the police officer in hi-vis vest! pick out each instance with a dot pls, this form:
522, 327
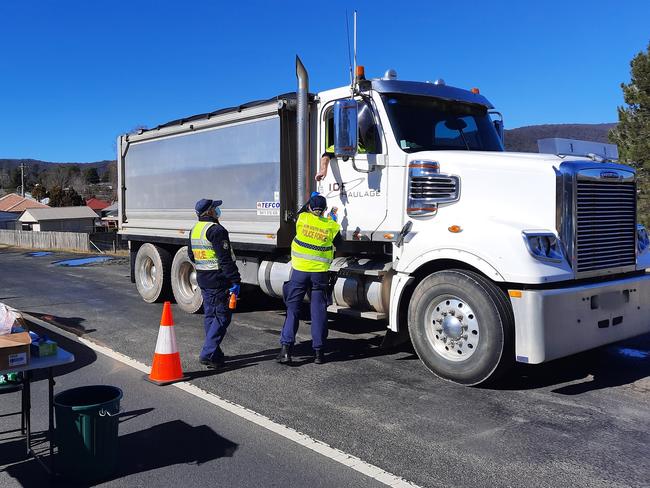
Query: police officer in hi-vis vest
312, 251
217, 275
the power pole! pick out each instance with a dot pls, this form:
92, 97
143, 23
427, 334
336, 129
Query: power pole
22, 179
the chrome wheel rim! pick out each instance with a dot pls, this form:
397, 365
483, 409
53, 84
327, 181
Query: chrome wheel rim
452, 328
148, 273
187, 281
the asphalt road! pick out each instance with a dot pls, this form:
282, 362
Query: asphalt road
582, 421
168, 437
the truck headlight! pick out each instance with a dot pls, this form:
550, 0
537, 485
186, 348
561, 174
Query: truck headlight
544, 246
642, 239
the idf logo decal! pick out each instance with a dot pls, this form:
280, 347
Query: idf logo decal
346, 189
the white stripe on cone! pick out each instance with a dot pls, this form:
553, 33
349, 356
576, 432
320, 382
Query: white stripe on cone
166, 343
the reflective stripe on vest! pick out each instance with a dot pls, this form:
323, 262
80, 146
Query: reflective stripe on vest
312, 249
205, 258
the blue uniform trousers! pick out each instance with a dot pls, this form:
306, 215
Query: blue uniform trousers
294, 292
216, 320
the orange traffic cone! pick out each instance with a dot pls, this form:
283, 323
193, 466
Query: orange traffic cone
166, 366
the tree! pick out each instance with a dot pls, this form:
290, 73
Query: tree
16, 180
91, 176
632, 134
66, 197
39, 192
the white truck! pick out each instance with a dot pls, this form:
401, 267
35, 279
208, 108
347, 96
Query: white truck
484, 257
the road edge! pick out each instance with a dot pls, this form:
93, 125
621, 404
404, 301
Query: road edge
258, 419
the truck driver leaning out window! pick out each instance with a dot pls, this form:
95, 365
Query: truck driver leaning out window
216, 274
368, 142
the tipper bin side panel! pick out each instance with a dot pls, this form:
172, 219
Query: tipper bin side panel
238, 163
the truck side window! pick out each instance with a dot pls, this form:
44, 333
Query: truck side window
369, 139
329, 131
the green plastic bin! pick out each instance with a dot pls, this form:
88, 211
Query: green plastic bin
87, 431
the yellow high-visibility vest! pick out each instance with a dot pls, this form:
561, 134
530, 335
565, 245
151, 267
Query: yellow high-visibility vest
205, 258
312, 249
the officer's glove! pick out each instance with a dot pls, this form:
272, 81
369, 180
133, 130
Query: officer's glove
234, 289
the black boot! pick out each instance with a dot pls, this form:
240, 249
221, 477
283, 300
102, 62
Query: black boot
285, 355
319, 356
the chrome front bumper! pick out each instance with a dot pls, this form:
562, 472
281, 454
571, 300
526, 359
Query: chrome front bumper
551, 324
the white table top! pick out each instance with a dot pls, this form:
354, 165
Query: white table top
62, 357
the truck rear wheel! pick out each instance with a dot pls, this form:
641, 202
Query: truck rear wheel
461, 326
184, 286
152, 265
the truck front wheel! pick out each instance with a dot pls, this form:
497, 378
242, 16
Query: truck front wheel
461, 326
152, 272
184, 286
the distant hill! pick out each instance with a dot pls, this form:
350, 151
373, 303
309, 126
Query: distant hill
524, 139
10, 164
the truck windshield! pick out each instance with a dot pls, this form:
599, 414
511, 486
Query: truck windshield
430, 124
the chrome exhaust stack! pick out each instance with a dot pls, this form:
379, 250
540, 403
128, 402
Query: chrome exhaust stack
302, 121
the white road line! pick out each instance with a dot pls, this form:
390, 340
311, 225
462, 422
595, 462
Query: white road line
326, 450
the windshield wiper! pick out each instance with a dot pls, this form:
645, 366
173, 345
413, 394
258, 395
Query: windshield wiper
462, 134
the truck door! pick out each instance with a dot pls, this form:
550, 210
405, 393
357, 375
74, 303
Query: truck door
356, 189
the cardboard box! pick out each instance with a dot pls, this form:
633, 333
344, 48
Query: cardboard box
14, 350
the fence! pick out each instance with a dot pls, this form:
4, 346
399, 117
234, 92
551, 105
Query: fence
69, 241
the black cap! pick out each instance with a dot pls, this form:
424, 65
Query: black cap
318, 202
204, 205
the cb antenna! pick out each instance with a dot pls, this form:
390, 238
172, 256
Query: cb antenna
347, 29
356, 79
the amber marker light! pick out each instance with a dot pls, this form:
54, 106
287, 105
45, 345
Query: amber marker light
475, 91
270, 236
515, 293
361, 72
455, 229
389, 236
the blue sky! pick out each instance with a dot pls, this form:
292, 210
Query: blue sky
76, 74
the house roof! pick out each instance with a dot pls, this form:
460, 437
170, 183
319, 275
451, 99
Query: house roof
57, 213
15, 203
97, 204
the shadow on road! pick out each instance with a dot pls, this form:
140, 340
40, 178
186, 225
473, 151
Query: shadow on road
605, 367
69, 324
162, 445
338, 350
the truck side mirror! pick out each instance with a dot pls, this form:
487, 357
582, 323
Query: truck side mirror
346, 131
498, 125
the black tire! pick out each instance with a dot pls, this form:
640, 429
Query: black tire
184, 287
152, 266
483, 349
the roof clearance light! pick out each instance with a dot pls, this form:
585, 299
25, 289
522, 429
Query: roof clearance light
455, 229
439, 81
475, 91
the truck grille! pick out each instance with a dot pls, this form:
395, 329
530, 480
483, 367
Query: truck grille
605, 224
428, 188
434, 187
